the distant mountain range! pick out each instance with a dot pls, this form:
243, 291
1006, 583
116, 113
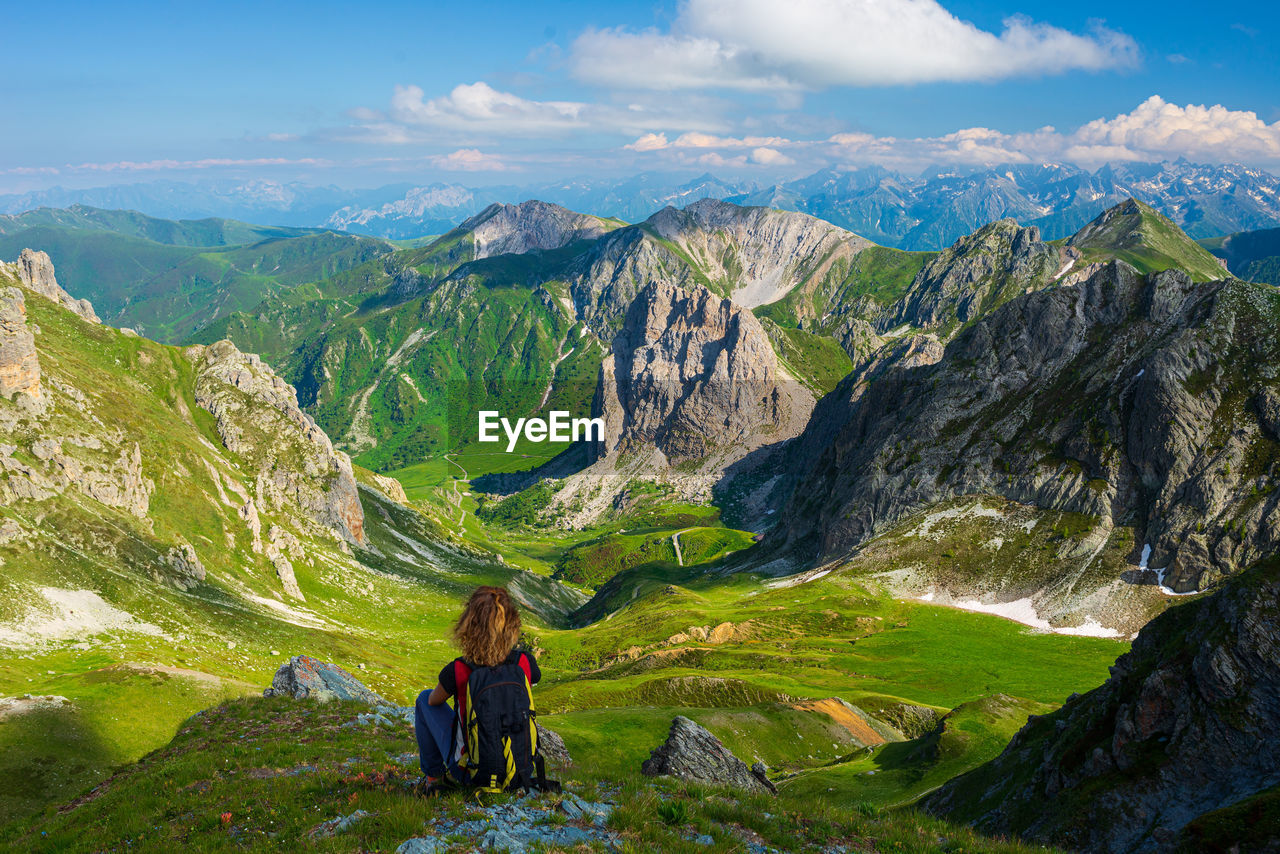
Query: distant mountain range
928, 211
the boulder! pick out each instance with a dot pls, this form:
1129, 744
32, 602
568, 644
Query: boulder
305, 678
692, 753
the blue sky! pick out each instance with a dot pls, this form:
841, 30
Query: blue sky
512, 92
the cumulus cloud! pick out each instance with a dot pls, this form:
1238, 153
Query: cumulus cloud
468, 160
480, 106
1156, 130
1201, 132
762, 45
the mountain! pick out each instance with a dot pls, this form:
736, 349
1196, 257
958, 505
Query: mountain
1137, 234
1177, 750
1135, 402
931, 210
287, 204
168, 278
1252, 255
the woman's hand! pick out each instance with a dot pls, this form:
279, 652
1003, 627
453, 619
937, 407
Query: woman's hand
438, 696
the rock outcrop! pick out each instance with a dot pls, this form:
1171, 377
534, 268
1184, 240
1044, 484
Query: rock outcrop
19, 362
185, 571
691, 373
84, 464
1137, 400
501, 229
1187, 724
692, 753
258, 418
756, 254
35, 271
978, 273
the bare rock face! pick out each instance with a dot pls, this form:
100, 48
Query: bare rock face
118, 483
186, 570
760, 253
691, 373
501, 229
692, 753
1136, 400
280, 546
979, 272
1187, 724
258, 418
19, 362
35, 271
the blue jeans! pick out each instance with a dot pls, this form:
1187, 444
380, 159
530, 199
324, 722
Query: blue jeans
434, 725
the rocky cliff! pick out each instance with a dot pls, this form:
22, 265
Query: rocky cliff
1186, 725
258, 418
975, 275
1140, 401
691, 373
19, 362
35, 271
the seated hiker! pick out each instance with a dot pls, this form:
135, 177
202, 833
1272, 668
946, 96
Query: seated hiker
489, 740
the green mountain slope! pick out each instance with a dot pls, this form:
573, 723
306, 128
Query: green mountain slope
167, 278
1251, 255
1139, 235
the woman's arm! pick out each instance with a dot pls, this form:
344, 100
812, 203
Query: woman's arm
438, 696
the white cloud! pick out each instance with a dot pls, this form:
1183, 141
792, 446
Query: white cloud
480, 106
1155, 130
468, 160
770, 157
762, 45
1158, 128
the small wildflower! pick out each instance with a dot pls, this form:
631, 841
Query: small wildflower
226, 818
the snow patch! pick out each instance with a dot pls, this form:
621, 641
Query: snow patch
72, 615
1142, 565
1023, 611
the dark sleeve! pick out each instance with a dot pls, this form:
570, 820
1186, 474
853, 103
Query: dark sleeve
449, 680
535, 673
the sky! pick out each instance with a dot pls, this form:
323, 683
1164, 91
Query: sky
487, 93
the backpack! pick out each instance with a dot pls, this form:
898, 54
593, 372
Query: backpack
499, 734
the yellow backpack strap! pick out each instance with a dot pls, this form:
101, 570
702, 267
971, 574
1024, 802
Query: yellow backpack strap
470, 725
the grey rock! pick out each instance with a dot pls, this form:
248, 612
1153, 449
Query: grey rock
1104, 398
532, 225
35, 271
552, 748
334, 826
19, 362
304, 677
186, 570
257, 417
423, 845
692, 753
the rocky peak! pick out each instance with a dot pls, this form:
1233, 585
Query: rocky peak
35, 271
977, 273
258, 417
755, 254
1134, 400
500, 229
690, 373
1185, 725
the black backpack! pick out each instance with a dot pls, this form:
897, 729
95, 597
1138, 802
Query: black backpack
500, 732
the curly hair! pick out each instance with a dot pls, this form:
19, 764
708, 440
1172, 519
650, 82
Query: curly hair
489, 627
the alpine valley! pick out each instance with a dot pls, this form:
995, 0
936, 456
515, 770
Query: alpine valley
966, 546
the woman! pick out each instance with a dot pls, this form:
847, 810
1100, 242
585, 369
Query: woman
487, 633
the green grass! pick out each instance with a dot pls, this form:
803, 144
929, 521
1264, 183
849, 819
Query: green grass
1144, 238
263, 774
